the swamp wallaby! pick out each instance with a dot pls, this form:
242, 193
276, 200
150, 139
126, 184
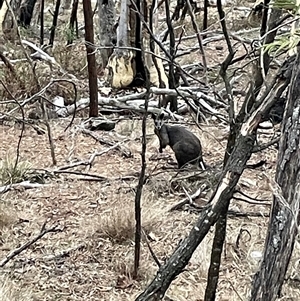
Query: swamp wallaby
186, 145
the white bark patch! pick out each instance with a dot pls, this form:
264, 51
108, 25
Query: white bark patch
224, 184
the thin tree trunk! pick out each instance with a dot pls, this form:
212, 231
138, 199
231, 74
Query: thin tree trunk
91, 59
54, 23
284, 219
73, 19
215, 260
42, 22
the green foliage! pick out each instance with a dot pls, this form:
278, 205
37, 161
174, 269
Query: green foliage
286, 5
69, 34
11, 173
283, 43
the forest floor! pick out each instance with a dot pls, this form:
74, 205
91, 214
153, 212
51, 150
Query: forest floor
92, 257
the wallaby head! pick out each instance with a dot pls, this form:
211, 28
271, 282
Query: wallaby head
158, 120
185, 144
160, 129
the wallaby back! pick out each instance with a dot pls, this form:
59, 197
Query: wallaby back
185, 144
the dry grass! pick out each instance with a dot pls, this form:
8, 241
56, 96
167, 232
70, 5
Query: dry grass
7, 217
11, 173
118, 222
11, 291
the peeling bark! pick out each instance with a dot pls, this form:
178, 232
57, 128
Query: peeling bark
126, 66
285, 210
107, 17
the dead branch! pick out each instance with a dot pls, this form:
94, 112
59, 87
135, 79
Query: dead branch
17, 251
124, 151
92, 158
199, 38
150, 249
186, 200
78, 173
25, 185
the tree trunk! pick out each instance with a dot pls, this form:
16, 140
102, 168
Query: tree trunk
73, 19
26, 11
284, 218
42, 22
54, 23
91, 59
107, 17
126, 66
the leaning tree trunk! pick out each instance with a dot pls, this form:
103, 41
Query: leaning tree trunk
107, 17
284, 218
126, 66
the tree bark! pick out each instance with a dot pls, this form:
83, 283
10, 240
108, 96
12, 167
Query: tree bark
107, 17
284, 219
72, 22
91, 59
26, 11
54, 23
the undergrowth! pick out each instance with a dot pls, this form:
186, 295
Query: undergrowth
10, 173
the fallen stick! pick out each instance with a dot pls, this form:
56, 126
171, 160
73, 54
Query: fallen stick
25, 184
17, 251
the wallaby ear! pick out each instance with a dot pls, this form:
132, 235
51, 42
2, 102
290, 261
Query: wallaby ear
161, 116
153, 116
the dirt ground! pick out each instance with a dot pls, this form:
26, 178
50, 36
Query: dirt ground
92, 257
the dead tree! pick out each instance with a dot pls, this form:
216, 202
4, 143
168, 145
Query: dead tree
107, 34
220, 230
91, 59
125, 65
284, 220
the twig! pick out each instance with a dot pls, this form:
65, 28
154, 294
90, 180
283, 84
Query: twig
78, 173
187, 200
251, 202
17, 251
46, 121
124, 151
22, 129
150, 249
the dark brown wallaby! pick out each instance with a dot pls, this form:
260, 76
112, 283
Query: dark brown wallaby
185, 144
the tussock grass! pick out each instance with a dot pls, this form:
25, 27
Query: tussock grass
9, 291
118, 224
6, 215
11, 173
